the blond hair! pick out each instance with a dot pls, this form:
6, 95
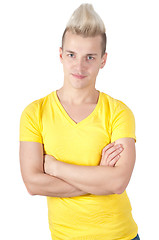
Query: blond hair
87, 23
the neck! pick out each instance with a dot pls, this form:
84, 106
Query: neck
78, 96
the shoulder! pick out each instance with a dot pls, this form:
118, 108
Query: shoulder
30, 120
37, 105
115, 105
122, 121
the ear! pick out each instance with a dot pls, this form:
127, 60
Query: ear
104, 59
60, 52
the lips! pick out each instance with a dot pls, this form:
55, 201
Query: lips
78, 76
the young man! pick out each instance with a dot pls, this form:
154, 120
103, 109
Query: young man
77, 144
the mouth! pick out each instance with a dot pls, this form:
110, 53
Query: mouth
78, 76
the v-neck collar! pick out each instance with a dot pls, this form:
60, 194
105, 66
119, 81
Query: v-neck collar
69, 119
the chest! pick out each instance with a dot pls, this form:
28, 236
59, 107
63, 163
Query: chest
75, 135
79, 113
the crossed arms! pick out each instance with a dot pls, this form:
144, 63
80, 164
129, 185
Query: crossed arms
59, 179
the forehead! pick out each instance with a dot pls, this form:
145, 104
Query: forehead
77, 43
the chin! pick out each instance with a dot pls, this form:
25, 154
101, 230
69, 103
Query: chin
79, 85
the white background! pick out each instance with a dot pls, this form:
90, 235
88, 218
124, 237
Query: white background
30, 37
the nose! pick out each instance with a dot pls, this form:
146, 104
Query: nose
80, 65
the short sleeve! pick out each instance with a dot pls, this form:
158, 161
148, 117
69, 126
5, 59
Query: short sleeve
123, 122
30, 124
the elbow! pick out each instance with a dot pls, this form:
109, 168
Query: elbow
119, 190
120, 187
30, 189
30, 186
116, 188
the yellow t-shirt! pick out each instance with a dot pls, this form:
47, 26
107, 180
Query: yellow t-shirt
88, 217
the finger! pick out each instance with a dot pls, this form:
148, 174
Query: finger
108, 146
109, 149
114, 154
112, 149
111, 146
114, 161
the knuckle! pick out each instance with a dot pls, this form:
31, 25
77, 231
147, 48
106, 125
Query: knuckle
103, 151
117, 158
109, 158
117, 146
108, 146
112, 163
113, 155
109, 151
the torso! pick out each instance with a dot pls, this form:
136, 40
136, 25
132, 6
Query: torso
45, 121
78, 113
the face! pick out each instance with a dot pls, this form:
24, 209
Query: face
82, 60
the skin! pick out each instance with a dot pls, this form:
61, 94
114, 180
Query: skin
81, 59
98, 180
43, 183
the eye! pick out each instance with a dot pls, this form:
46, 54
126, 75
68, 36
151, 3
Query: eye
71, 55
90, 58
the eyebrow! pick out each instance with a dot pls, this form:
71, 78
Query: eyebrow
90, 54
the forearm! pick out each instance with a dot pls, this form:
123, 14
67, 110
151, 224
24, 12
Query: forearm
46, 185
104, 179
98, 180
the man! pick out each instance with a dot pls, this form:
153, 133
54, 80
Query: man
77, 144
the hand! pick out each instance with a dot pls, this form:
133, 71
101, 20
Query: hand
111, 154
50, 164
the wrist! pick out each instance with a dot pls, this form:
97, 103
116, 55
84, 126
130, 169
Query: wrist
50, 165
55, 168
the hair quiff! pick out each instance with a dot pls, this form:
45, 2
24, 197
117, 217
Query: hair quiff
87, 23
